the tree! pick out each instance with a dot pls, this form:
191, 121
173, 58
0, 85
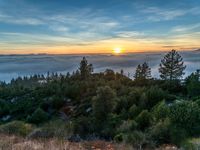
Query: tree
142, 72
104, 103
85, 68
186, 115
38, 116
172, 66
193, 83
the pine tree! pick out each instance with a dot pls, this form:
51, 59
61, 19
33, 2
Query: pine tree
146, 71
85, 68
172, 66
104, 102
142, 72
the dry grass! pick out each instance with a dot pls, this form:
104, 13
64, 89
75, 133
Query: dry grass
19, 143
8, 142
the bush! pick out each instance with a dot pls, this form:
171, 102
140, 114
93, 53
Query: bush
160, 111
38, 116
104, 104
144, 120
127, 126
136, 138
16, 127
178, 135
58, 128
186, 115
119, 138
154, 95
133, 111
4, 108
191, 144
160, 133
83, 126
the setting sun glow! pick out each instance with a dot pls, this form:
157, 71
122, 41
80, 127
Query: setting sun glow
117, 50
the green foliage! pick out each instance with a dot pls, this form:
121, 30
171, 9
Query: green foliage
118, 138
193, 84
153, 96
191, 144
127, 126
160, 132
160, 111
83, 126
144, 120
143, 72
178, 135
58, 128
107, 104
133, 111
16, 127
4, 108
57, 102
186, 115
104, 103
85, 68
136, 138
38, 116
172, 66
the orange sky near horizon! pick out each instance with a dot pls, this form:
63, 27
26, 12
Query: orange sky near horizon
94, 48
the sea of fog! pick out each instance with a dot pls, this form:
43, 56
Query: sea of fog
12, 66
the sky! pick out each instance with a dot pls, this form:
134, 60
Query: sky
98, 26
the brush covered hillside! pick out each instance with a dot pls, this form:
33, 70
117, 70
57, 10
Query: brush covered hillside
86, 107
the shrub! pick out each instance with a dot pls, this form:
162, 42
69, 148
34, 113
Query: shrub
119, 138
83, 126
154, 95
136, 138
38, 116
127, 126
104, 103
16, 127
186, 115
160, 132
133, 111
160, 111
58, 128
191, 144
4, 108
57, 102
144, 120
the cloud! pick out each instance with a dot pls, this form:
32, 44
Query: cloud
20, 20
186, 28
129, 34
157, 14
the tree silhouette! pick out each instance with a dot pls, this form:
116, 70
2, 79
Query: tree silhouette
85, 68
172, 66
142, 72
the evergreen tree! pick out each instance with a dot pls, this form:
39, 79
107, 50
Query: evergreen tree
104, 103
142, 72
193, 83
172, 66
85, 68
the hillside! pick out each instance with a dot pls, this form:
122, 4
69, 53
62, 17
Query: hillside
144, 113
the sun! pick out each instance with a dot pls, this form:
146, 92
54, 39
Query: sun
117, 50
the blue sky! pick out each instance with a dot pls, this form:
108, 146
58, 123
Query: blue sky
98, 26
